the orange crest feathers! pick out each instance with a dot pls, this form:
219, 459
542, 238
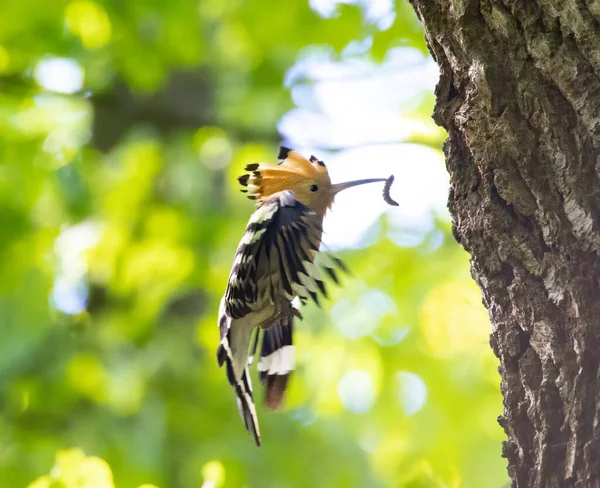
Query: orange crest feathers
294, 172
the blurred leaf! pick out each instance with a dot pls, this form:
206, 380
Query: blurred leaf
72, 469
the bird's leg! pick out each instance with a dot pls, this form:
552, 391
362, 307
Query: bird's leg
282, 311
288, 311
295, 312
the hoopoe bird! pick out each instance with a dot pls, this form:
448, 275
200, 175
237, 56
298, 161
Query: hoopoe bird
275, 263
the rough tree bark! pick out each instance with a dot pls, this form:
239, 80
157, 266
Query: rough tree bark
519, 95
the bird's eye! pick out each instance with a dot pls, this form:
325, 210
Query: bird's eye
314, 187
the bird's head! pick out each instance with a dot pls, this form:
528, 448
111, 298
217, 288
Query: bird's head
307, 178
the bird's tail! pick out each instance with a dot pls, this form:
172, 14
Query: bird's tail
276, 361
234, 354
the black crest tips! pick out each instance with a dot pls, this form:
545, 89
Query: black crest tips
283, 152
252, 167
244, 180
314, 159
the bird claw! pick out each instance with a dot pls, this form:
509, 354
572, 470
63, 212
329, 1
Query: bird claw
289, 313
296, 313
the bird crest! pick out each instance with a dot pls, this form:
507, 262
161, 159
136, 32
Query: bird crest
294, 172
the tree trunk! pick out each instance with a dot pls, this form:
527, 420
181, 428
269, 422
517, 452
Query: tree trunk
519, 94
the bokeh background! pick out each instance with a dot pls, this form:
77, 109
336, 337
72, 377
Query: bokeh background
123, 128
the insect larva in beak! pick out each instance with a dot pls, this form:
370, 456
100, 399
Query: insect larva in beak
386, 192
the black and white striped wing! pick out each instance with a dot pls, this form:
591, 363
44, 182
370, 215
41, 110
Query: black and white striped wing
275, 259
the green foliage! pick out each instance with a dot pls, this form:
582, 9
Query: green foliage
143, 229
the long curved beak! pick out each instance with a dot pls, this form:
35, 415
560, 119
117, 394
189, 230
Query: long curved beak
338, 187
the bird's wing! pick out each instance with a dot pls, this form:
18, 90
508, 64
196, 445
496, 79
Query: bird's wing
241, 382
275, 258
